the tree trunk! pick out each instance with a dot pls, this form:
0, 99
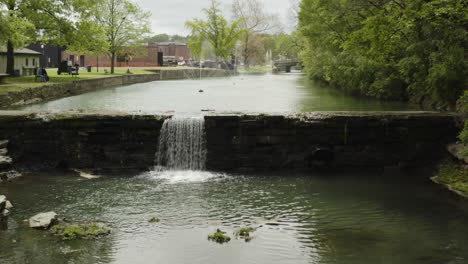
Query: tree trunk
112, 62
246, 53
10, 59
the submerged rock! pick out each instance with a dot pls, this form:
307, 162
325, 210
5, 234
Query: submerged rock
43, 220
80, 231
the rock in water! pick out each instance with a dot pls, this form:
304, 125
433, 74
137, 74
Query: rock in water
43, 220
3, 201
8, 205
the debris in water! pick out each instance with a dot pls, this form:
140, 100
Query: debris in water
86, 175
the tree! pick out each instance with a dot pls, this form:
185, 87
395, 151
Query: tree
389, 49
124, 23
64, 23
220, 34
253, 21
26, 20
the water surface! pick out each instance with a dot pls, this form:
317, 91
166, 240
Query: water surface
301, 218
256, 93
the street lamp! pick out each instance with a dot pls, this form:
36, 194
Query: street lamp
42, 59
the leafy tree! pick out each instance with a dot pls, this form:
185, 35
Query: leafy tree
389, 49
64, 23
220, 34
124, 24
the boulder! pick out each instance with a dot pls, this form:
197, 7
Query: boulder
458, 150
3, 201
43, 220
3, 143
4, 213
8, 205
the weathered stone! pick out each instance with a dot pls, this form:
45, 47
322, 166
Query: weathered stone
3, 143
457, 150
43, 220
3, 151
3, 201
5, 162
4, 213
8, 205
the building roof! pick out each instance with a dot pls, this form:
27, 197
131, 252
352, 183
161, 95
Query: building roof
23, 51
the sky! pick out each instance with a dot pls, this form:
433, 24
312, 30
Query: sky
169, 16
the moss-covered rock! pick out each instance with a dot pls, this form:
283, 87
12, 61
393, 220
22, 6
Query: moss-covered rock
80, 231
219, 237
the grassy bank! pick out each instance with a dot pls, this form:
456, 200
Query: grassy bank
15, 84
254, 69
454, 176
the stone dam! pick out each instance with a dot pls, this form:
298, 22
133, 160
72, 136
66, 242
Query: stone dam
233, 141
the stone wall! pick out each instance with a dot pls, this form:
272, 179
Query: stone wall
340, 140
56, 91
336, 140
175, 74
77, 140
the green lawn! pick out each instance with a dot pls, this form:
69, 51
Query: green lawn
14, 84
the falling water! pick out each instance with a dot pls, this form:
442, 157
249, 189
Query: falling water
182, 144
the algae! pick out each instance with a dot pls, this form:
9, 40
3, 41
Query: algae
219, 237
154, 220
80, 231
244, 233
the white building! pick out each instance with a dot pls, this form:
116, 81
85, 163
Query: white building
26, 61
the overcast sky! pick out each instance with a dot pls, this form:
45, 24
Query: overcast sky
169, 16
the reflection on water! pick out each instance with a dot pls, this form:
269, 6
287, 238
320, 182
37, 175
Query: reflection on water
308, 218
256, 93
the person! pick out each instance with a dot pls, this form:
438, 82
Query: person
40, 73
46, 76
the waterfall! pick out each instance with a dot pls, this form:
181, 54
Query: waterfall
182, 144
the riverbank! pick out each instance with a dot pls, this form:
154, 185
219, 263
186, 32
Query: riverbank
27, 91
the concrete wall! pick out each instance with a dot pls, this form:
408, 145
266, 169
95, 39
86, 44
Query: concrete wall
327, 141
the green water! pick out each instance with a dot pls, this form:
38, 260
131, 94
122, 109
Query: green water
257, 93
301, 218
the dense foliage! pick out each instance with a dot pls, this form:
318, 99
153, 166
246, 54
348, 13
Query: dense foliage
389, 49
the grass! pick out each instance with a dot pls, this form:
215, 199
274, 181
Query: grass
454, 176
16, 84
254, 69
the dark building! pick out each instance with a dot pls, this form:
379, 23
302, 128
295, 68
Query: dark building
51, 55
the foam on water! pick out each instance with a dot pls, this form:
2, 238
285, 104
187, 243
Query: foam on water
183, 176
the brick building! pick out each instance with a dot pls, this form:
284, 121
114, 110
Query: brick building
146, 56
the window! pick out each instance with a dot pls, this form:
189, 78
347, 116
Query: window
27, 62
34, 62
